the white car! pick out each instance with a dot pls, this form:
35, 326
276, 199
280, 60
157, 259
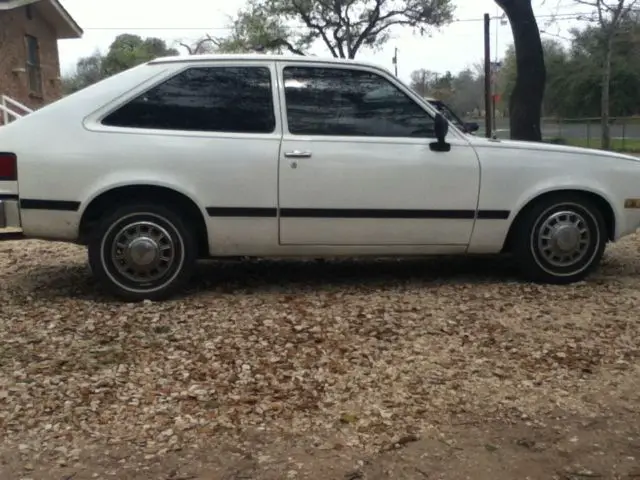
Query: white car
189, 158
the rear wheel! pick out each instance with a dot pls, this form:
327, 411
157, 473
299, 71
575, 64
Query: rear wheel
142, 251
561, 239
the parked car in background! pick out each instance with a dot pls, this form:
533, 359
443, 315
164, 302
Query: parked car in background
197, 157
468, 127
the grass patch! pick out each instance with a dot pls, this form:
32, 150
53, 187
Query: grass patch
593, 121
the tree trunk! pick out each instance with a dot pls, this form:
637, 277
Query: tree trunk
606, 88
525, 104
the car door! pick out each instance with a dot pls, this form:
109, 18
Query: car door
356, 167
210, 129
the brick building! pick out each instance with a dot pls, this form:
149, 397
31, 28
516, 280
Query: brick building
29, 60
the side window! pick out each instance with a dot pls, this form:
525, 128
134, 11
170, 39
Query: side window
337, 101
206, 99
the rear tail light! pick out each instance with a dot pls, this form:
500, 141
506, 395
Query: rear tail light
8, 167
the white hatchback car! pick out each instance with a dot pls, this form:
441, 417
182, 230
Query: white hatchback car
256, 155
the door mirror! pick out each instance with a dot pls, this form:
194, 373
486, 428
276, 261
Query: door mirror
441, 128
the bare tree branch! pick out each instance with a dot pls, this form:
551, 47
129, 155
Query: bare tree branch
198, 48
280, 42
344, 26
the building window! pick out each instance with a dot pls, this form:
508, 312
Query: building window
29, 12
34, 71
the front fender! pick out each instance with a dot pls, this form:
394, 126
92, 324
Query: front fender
589, 185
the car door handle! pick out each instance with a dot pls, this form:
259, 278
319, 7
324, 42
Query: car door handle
297, 154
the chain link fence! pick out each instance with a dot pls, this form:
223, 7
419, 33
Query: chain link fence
584, 132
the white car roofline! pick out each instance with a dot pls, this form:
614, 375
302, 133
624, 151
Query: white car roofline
261, 57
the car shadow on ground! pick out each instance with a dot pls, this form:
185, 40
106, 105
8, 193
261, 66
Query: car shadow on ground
275, 275
288, 275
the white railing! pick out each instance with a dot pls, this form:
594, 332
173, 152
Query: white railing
8, 108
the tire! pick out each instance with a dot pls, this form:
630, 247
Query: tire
157, 233
560, 239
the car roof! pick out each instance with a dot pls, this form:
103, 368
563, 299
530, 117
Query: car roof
265, 57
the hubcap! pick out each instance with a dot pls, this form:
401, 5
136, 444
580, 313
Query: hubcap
564, 238
143, 252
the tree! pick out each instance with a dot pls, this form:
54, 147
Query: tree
89, 70
125, 52
468, 91
207, 44
128, 50
259, 27
343, 26
463, 92
443, 88
573, 86
422, 81
525, 102
611, 13
558, 76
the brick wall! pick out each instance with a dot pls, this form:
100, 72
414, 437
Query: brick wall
14, 26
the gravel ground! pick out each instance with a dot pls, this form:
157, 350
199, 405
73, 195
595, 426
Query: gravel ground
340, 369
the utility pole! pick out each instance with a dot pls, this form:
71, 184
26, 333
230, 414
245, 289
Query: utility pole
494, 75
496, 66
487, 75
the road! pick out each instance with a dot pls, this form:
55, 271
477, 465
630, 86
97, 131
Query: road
574, 130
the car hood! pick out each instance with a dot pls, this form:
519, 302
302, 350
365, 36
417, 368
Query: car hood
544, 147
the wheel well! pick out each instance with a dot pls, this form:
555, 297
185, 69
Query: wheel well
602, 205
105, 203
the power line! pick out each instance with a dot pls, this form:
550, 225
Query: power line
621, 37
556, 16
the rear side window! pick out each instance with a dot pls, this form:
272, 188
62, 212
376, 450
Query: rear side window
205, 99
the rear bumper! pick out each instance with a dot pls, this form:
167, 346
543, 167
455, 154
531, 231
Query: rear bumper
9, 214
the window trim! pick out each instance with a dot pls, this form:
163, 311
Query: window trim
428, 109
36, 68
94, 120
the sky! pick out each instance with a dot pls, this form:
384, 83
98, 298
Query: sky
452, 48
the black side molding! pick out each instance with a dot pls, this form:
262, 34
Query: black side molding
493, 214
10, 236
260, 212
57, 205
242, 212
356, 213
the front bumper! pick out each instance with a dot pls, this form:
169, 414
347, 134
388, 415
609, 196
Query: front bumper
9, 219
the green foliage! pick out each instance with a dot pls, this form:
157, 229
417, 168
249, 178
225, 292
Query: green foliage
125, 52
260, 27
344, 27
574, 74
89, 70
130, 50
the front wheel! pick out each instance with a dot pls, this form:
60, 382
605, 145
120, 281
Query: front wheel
142, 252
561, 239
